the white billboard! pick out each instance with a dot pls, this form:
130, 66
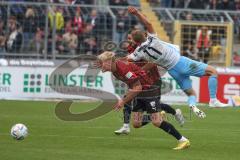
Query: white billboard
33, 83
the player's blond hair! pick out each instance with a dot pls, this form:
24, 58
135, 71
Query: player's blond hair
107, 55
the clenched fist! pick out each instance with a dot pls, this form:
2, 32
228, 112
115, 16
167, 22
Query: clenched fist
132, 10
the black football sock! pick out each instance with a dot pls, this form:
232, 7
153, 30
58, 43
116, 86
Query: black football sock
146, 119
167, 108
170, 129
127, 110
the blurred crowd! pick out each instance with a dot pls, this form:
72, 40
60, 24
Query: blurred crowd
23, 29
74, 29
202, 52
77, 29
199, 4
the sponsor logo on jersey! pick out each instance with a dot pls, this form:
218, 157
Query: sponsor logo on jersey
129, 75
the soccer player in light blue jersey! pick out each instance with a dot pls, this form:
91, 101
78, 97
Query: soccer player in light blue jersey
168, 56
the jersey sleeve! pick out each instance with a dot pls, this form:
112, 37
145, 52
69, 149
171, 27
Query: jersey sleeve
135, 56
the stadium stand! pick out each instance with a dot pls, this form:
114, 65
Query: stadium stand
76, 27
198, 4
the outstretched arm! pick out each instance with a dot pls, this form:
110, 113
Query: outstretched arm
132, 92
142, 18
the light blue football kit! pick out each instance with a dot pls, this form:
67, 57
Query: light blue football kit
179, 67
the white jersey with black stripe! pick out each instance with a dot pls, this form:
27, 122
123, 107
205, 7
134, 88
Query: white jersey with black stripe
154, 50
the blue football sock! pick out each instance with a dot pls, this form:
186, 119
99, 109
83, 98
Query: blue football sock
192, 100
212, 86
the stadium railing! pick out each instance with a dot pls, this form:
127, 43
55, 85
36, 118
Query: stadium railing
185, 26
43, 29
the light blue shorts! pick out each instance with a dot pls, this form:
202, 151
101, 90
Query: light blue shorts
185, 68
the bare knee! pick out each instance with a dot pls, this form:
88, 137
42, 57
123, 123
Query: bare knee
211, 71
137, 119
157, 120
190, 92
137, 124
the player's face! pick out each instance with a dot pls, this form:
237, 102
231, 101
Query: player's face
107, 66
129, 37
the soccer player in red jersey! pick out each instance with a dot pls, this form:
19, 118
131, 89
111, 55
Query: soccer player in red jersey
145, 97
153, 74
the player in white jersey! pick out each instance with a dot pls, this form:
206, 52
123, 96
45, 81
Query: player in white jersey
167, 55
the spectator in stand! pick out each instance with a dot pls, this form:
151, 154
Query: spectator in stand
29, 27
54, 1
236, 59
87, 30
84, 39
78, 22
62, 1
188, 16
49, 42
39, 41
73, 2
14, 40
195, 4
59, 48
203, 43
192, 52
91, 19
69, 41
133, 2
166, 3
3, 13
2, 37
91, 46
70, 9
122, 25
82, 2
178, 3
17, 10
95, 20
236, 20
227, 5
118, 2
213, 4
192, 4
59, 18
237, 5
155, 3
40, 14
217, 52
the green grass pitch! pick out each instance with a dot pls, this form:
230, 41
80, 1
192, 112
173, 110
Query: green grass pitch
217, 137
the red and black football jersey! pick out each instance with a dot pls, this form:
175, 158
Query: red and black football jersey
153, 72
130, 73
